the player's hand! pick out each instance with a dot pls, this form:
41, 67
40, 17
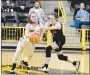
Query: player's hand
21, 38
46, 28
32, 33
83, 19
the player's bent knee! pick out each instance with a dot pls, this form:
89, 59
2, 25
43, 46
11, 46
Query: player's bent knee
62, 57
48, 51
54, 45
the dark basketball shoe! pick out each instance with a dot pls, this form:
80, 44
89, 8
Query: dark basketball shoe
25, 64
76, 64
44, 68
12, 72
13, 69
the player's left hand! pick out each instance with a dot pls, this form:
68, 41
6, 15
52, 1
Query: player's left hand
46, 28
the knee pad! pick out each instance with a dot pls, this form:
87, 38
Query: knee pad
48, 51
62, 57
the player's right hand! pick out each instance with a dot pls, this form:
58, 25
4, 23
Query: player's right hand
21, 38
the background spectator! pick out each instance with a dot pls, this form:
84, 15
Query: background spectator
39, 11
82, 16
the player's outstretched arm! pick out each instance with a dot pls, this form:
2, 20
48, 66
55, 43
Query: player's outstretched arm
57, 26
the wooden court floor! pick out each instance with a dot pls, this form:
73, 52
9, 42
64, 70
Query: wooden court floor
56, 66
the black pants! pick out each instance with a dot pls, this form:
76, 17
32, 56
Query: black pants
60, 43
58, 50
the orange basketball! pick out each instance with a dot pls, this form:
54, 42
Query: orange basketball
35, 38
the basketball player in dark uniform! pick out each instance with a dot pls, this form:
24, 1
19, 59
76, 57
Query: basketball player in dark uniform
58, 41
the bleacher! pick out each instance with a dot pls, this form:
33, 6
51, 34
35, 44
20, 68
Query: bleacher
76, 6
17, 17
70, 21
14, 12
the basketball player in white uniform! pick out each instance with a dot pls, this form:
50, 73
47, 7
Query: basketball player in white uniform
24, 43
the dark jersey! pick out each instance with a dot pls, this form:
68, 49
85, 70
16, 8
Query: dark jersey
58, 35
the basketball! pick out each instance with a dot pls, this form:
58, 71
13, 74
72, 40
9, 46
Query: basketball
35, 38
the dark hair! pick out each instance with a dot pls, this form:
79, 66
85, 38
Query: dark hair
29, 17
55, 15
84, 4
39, 3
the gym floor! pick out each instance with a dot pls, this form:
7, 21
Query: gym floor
56, 66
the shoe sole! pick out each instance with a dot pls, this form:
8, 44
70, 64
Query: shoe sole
12, 73
44, 71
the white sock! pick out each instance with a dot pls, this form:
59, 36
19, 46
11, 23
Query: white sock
47, 60
70, 60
